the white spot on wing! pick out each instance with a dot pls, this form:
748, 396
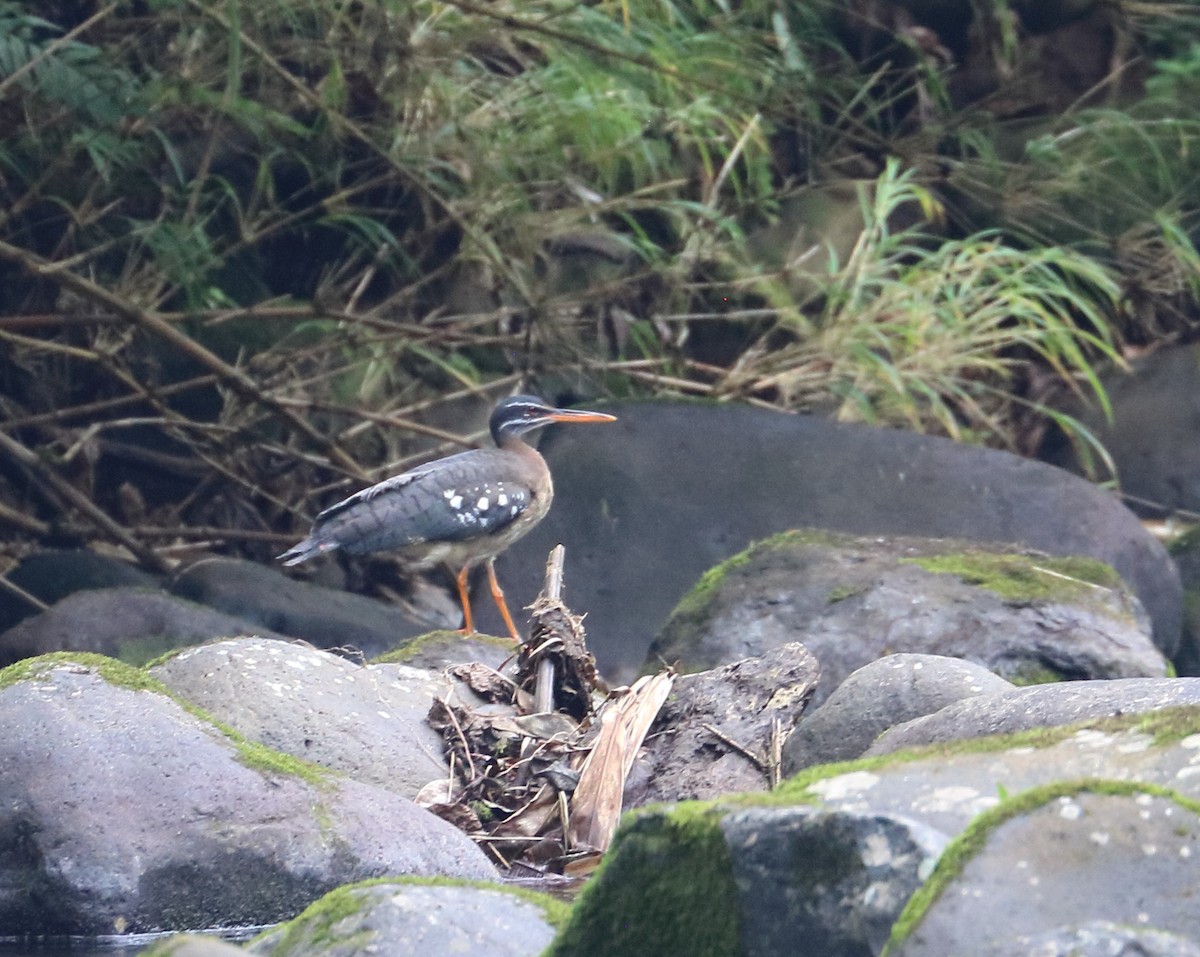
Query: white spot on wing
502, 500
482, 504
456, 501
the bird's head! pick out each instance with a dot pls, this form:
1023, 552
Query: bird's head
519, 414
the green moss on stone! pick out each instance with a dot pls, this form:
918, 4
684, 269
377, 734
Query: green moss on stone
312, 928
1024, 578
256, 756
1186, 543
967, 845
843, 592
697, 602
1029, 673
1168, 725
115, 672
443, 636
665, 888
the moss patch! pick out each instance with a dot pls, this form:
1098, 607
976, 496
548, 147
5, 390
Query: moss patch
1024, 578
843, 592
312, 928
697, 602
967, 845
435, 639
1030, 673
665, 888
115, 672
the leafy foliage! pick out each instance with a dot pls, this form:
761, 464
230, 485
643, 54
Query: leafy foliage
273, 231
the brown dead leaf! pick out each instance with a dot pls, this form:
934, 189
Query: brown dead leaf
624, 723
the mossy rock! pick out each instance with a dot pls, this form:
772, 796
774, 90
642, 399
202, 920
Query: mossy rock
1028, 616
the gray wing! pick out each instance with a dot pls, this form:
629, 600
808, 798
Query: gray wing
442, 502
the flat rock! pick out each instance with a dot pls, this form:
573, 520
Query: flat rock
648, 504
416, 920
852, 600
368, 722
880, 694
135, 625
1042, 706
124, 812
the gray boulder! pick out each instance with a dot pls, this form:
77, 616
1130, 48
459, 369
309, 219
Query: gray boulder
366, 722
1043, 706
135, 625
648, 504
124, 812
416, 920
852, 600
326, 617
1151, 435
1105, 851
52, 575
880, 694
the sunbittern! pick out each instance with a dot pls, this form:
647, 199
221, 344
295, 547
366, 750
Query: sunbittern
461, 510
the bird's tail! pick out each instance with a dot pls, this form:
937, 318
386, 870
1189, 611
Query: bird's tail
305, 550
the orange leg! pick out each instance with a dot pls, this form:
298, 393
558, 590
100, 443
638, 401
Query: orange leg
464, 598
498, 597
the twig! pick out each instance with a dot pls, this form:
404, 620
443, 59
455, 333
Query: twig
14, 589
756, 760
76, 499
154, 324
543, 689
22, 521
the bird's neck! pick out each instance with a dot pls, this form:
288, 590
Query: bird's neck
517, 446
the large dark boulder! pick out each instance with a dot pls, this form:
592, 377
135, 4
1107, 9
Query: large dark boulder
1152, 434
648, 504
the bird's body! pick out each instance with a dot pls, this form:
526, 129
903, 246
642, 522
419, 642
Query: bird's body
461, 510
